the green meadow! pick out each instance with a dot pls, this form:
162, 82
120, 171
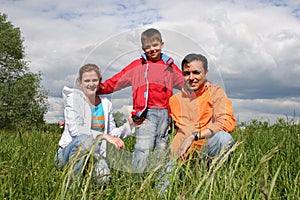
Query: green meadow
265, 164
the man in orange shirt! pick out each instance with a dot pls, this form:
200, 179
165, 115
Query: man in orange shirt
202, 112
203, 117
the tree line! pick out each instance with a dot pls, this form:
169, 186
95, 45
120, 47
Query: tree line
23, 100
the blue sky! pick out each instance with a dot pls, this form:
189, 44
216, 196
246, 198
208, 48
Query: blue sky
253, 47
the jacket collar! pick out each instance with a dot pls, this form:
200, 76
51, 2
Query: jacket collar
164, 57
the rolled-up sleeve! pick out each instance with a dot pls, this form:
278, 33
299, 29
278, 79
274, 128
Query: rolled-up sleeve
223, 115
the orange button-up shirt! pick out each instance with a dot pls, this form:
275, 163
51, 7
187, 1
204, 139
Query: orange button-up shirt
209, 107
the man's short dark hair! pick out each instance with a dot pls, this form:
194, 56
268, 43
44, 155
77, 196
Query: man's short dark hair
192, 57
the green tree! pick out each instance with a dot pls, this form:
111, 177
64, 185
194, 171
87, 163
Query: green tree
23, 100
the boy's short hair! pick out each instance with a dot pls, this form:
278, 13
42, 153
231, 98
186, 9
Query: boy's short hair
151, 34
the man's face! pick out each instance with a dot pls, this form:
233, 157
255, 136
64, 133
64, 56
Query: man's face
153, 48
194, 75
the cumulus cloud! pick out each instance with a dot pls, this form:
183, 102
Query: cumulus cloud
253, 47
55, 110
267, 109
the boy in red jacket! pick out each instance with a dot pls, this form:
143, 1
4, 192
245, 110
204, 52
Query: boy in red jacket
152, 78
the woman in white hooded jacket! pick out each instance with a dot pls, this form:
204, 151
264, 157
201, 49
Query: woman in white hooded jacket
88, 118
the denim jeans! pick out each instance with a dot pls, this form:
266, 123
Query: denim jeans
220, 142
84, 142
152, 135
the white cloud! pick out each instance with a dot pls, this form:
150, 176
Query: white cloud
253, 47
267, 109
55, 111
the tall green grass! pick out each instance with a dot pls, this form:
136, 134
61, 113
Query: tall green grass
264, 165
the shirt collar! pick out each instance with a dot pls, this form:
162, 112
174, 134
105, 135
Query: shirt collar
198, 92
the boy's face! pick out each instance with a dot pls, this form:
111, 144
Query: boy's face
153, 48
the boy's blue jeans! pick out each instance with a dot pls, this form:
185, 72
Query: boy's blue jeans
83, 142
220, 142
152, 135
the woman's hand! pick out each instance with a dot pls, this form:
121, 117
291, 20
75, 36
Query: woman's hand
119, 144
130, 120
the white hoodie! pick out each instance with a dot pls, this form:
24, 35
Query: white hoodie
78, 118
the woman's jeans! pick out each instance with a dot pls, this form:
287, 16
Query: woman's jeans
84, 143
152, 135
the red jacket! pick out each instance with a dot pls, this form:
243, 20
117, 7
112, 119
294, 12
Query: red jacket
152, 82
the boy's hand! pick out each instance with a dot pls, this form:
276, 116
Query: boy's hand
137, 121
100, 86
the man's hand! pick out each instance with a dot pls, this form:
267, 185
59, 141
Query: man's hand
185, 145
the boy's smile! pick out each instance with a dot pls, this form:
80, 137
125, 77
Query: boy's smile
153, 48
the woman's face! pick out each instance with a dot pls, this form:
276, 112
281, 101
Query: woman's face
89, 83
